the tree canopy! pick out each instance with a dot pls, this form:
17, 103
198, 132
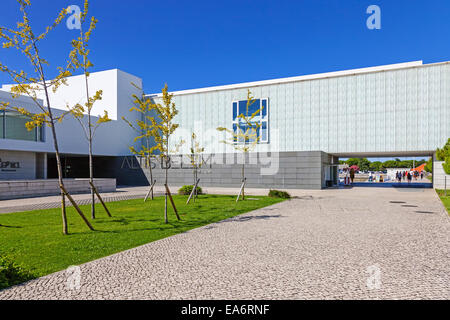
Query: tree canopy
365, 164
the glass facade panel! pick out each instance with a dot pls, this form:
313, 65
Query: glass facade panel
264, 132
251, 108
264, 108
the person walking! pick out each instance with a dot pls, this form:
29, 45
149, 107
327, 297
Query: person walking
421, 176
352, 174
409, 177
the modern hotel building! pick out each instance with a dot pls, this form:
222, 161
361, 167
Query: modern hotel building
306, 124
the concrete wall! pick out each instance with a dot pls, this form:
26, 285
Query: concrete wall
286, 170
439, 176
35, 188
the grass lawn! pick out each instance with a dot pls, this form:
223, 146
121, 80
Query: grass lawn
445, 199
34, 239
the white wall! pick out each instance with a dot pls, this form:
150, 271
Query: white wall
388, 111
112, 138
439, 176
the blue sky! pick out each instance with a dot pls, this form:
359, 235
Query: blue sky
192, 44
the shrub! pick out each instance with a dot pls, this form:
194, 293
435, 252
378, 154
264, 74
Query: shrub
279, 194
429, 165
444, 155
11, 273
186, 190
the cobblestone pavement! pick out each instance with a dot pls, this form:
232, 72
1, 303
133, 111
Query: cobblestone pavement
360, 243
47, 202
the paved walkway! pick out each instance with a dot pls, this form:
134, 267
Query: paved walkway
360, 243
122, 193
37, 203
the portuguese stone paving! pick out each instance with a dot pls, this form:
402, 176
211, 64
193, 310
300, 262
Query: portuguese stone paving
360, 243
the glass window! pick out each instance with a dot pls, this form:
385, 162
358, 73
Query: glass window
264, 108
235, 110
15, 127
252, 108
264, 131
40, 133
235, 131
240, 107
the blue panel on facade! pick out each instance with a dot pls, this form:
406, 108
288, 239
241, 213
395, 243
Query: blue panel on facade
251, 108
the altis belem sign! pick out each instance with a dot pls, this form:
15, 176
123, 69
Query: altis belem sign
9, 166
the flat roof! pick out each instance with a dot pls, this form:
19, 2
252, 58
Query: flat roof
388, 67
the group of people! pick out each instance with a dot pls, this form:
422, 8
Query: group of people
373, 178
408, 175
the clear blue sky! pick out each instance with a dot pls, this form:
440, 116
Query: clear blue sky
191, 44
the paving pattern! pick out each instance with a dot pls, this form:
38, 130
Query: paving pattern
48, 202
57, 204
360, 243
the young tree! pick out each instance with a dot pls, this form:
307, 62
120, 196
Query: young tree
27, 42
80, 58
145, 130
196, 159
163, 128
245, 137
429, 165
444, 155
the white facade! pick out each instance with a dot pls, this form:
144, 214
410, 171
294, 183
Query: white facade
398, 110
111, 139
395, 110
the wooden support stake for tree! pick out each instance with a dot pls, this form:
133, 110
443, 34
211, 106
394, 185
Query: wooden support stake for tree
64, 214
74, 204
240, 191
100, 198
150, 190
171, 201
193, 191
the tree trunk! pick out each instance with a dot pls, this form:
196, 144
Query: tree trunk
195, 181
166, 195
149, 164
91, 179
63, 211
243, 179
90, 138
58, 165
55, 140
